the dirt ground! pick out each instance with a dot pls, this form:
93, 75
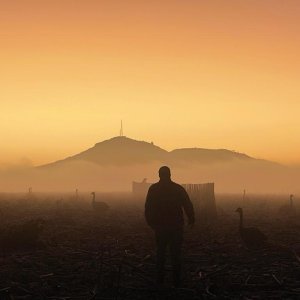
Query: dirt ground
76, 253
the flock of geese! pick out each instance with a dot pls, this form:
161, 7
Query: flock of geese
253, 238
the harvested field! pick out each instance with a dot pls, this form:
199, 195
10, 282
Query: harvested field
78, 254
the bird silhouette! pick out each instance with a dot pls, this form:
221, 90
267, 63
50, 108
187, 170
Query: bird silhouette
252, 237
99, 206
288, 209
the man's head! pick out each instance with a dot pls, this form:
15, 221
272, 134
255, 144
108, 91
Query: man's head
164, 173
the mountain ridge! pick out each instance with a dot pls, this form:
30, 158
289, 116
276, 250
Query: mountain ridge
122, 150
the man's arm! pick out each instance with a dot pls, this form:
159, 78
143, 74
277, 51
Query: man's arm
149, 208
188, 207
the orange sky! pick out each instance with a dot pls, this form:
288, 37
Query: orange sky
214, 74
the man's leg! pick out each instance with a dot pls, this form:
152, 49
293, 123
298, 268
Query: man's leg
175, 249
161, 245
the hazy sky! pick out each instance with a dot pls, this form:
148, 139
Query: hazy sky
214, 74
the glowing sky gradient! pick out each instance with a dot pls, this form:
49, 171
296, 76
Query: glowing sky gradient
213, 74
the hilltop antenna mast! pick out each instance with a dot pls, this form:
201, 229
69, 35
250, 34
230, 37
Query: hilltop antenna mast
121, 130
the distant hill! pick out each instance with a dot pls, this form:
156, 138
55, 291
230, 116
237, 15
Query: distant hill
113, 164
125, 151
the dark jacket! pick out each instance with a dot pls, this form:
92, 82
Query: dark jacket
164, 203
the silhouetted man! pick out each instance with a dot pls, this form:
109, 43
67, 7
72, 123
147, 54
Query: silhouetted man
164, 214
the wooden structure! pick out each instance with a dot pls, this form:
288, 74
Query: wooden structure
203, 198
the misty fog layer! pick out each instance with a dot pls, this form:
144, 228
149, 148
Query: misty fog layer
231, 176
